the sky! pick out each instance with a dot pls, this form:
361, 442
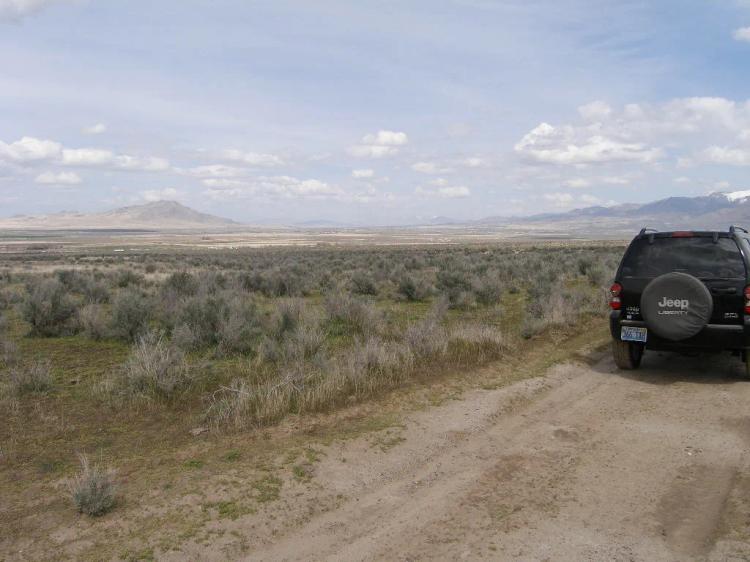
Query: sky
370, 112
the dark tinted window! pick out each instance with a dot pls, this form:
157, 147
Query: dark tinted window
700, 257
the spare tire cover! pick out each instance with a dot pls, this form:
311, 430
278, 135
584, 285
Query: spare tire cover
676, 306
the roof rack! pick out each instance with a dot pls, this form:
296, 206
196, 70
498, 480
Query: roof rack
645, 230
733, 228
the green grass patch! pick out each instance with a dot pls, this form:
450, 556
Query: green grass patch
267, 489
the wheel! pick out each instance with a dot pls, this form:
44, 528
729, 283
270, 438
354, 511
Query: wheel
746, 361
627, 354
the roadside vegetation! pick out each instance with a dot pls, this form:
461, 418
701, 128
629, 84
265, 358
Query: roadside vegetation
313, 328
109, 354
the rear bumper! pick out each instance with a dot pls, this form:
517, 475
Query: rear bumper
714, 337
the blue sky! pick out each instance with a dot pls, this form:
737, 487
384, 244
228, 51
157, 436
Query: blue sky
387, 112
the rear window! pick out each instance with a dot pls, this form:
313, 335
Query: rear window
698, 256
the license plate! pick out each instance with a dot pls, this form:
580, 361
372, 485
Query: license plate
631, 333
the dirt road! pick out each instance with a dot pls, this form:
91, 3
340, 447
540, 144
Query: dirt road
586, 463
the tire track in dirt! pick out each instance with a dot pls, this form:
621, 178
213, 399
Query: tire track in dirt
582, 464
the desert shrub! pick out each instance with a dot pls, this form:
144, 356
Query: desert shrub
4, 300
233, 405
9, 354
584, 265
596, 275
413, 288
487, 290
304, 343
453, 280
128, 278
150, 268
131, 312
355, 314
428, 338
531, 326
456, 286
279, 283
475, 342
184, 338
251, 281
93, 322
242, 329
48, 308
288, 316
374, 364
96, 291
92, 489
362, 283
205, 316
33, 378
181, 283
154, 369
73, 280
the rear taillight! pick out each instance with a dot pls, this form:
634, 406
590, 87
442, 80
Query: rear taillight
747, 299
616, 289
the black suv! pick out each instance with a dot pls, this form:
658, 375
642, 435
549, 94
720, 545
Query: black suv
682, 291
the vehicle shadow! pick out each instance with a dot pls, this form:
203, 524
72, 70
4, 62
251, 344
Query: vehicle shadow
664, 368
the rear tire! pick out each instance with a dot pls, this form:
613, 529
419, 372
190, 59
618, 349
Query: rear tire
746, 362
627, 355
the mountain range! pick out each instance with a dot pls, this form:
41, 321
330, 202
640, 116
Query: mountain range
715, 211
159, 215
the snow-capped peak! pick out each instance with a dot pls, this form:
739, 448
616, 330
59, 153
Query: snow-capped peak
737, 195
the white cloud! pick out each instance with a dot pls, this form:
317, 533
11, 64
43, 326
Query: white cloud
386, 138
454, 192
361, 174
63, 178
559, 199
96, 157
14, 10
252, 158
595, 111
742, 34
644, 133
372, 151
145, 164
447, 192
378, 145
567, 145
563, 201
429, 168
721, 185
616, 180
29, 149
275, 187
214, 171
87, 157
97, 129
152, 195
730, 156
473, 162
681, 180
577, 183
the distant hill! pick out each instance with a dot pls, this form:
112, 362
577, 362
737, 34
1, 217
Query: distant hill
160, 215
716, 211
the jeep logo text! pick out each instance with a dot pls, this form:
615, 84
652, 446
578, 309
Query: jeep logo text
673, 303
674, 307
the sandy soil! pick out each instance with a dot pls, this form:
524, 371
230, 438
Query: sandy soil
586, 463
